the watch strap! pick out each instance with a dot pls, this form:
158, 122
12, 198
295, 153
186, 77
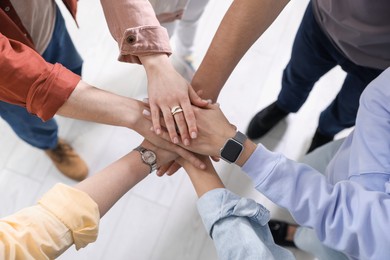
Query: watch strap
240, 137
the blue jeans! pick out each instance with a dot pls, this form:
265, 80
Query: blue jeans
313, 55
28, 127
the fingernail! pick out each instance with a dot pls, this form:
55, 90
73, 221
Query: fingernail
145, 100
158, 131
175, 140
203, 166
209, 101
186, 142
194, 135
146, 112
152, 129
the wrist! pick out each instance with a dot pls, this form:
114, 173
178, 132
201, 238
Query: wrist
248, 149
221, 140
135, 119
233, 148
155, 61
237, 155
148, 157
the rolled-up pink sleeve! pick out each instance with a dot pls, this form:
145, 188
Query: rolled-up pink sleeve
134, 26
28, 80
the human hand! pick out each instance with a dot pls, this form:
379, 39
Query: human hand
143, 126
214, 130
168, 90
168, 169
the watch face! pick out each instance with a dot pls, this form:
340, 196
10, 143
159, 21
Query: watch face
149, 157
231, 151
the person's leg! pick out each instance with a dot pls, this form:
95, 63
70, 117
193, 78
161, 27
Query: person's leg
320, 158
306, 240
170, 27
341, 113
61, 48
44, 135
311, 58
187, 27
30, 128
185, 33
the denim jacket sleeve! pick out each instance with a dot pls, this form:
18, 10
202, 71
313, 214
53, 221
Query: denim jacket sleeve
135, 28
238, 227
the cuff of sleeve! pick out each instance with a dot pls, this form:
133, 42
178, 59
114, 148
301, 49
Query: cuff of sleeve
218, 204
51, 92
145, 40
260, 164
76, 210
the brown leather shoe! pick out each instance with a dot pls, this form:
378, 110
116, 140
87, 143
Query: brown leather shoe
67, 161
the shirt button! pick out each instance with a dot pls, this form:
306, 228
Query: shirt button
7, 8
131, 39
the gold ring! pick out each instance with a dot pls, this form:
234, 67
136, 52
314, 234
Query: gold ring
175, 110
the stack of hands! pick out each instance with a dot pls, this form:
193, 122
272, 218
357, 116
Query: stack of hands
207, 126
179, 120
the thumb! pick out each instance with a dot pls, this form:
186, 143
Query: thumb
195, 99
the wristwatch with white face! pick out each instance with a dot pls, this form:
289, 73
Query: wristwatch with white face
148, 157
233, 148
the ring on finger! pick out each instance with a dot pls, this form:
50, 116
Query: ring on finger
175, 110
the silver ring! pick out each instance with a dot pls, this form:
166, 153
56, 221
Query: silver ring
175, 110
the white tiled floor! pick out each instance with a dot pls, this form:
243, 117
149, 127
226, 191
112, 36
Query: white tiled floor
157, 219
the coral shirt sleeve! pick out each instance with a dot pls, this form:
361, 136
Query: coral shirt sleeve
28, 80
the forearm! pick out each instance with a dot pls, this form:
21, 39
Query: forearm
92, 104
203, 180
315, 203
243, 24
110, 184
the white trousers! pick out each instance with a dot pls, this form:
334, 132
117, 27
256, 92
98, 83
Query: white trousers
185, 29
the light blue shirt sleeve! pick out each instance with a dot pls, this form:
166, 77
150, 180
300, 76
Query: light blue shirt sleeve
345, 216
239, 227
350, 208
370, 142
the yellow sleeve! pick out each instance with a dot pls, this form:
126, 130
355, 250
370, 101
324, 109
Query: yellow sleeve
64, 216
